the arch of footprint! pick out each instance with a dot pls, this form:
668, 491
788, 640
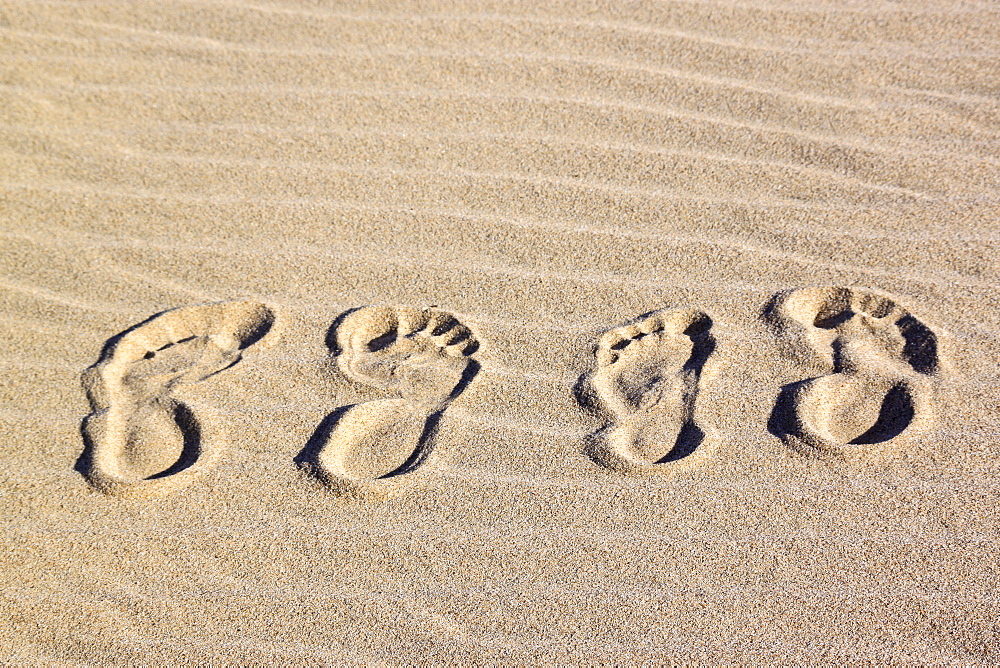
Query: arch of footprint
881, 368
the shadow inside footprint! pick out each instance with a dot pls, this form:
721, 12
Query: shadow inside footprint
703, 344
895, 416
784, 420
309, 454
688, 439
920, 347
190, 431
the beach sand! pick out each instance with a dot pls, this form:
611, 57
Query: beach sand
556, 332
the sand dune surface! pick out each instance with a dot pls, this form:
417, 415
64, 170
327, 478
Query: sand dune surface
565, 332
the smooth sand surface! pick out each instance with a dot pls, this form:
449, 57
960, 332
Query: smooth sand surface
554, 332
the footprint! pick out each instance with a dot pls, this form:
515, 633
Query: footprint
140, 440
647, 377
880, 364
421, 356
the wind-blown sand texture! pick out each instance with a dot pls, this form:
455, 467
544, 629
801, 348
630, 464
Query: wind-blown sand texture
518, 331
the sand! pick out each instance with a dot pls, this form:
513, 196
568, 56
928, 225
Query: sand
556, 332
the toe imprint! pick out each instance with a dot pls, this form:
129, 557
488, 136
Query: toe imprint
420, 355
647, 377
140, 440
879, 361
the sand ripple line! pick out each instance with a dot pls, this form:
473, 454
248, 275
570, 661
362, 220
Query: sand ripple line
532, 139
800, 46
936, 277
390, 54
541, 177
550, 103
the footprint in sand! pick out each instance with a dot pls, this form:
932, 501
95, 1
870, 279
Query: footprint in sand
420, 355
647, 377
880, 364
140, 440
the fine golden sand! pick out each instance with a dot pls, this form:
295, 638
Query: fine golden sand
563, 332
